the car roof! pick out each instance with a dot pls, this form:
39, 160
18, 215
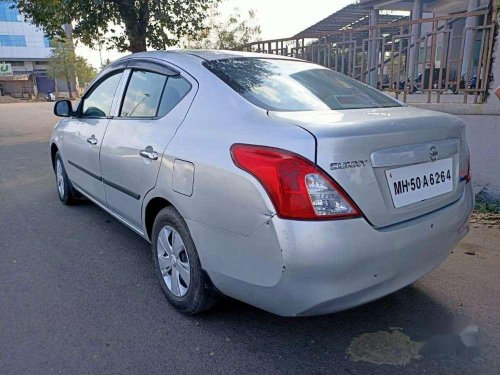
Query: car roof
186, 55
189, 60
213, 55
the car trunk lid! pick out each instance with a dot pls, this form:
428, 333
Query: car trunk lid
375, 153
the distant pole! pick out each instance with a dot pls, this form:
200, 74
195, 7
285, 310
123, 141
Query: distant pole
100, 51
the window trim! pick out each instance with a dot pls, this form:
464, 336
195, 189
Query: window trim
126, 65
152, 66
156, 117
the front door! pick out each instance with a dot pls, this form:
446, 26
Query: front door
153, 107
82, 159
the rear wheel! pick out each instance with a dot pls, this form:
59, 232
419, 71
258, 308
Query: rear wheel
177, 264
65, 189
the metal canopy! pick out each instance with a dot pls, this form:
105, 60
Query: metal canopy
428, 6
349, 17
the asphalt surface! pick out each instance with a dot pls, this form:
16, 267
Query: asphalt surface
78, 296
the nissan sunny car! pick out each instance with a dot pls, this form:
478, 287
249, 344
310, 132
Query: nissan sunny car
268, 179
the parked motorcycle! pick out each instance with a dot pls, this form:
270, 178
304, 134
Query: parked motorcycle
412, 88
473, 83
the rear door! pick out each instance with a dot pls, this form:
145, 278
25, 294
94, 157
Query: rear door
82, 145
155, 101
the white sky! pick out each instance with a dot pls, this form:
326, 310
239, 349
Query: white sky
277, 18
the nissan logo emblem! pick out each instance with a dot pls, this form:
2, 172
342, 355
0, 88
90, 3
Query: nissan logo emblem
433, 153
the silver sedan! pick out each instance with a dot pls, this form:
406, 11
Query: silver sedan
264, 178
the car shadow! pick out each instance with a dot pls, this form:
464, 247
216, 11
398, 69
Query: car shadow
293, 342
299, 340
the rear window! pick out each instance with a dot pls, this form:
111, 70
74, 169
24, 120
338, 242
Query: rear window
287, 85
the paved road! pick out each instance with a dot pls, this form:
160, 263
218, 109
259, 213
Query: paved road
78, 296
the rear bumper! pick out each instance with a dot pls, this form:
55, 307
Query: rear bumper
334, 265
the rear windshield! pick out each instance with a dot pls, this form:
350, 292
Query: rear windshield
287, 85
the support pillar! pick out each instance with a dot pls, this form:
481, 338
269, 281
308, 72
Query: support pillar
373, 49
416, 30
469, 36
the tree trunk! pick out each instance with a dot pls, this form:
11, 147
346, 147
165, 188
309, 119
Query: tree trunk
136, 23
68, 82
136, 43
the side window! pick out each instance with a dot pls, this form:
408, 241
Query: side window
175, 89
98, 103
151, 94
143, 94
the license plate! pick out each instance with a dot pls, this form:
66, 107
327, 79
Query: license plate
419, 182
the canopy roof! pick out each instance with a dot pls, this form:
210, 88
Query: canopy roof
349, 17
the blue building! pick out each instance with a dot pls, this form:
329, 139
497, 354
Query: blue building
24, 52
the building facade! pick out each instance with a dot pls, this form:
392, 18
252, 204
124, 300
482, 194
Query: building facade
24, 52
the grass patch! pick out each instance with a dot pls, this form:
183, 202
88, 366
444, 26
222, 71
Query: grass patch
484, 205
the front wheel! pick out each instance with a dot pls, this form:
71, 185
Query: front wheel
65, 189
177, 264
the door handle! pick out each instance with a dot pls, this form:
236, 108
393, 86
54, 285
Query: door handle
92, 140
149, 153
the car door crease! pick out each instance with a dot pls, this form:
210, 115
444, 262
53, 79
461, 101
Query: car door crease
91, 174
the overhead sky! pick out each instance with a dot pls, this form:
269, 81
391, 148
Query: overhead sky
277, 18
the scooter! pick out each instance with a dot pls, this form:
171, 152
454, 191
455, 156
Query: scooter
50, 97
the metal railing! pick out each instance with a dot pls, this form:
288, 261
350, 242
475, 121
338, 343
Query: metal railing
449, 54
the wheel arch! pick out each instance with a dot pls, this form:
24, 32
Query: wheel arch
153, 206
53, 152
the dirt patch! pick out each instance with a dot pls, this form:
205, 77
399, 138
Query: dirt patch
8, 99
485, 220
384, 348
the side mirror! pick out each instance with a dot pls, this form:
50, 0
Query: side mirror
63, 108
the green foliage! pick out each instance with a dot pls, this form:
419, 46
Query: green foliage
227, 34
62, 62
485, 205
84, 71
65, 64
146, 23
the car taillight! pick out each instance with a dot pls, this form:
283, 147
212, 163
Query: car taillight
464, 172
297, 187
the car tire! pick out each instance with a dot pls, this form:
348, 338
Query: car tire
65, 190
189, 297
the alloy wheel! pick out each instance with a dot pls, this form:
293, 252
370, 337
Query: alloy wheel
173, 261
60, 178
